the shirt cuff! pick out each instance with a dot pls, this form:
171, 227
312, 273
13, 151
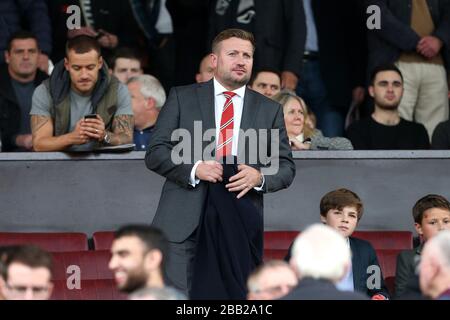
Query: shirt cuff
260, 188
192, 180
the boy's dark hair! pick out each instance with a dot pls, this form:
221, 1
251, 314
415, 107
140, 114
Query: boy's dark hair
233, 33
382, 68
257, 72
29, 255
340, 198
124, 52
82, 44
21, 34
153, 238
428, 202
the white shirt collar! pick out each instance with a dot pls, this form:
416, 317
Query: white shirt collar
219, 89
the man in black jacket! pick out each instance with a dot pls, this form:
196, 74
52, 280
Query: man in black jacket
416, 36
18, 79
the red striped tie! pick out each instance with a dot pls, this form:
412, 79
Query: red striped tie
225, 143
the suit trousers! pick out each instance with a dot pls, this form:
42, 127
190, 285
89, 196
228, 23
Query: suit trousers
179, 265
425, 96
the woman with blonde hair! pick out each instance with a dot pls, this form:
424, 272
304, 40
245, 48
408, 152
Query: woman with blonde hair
301, 135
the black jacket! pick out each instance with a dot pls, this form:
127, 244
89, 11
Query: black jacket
10, 116
397, 36
320, 289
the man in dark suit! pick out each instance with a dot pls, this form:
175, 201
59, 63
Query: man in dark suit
196, 110
279, 28
321, 258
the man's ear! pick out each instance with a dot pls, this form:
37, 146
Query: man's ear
153, 259
66, 64
371, 91
214, 60
150, 103
100, 62
6, 56
418, 227
323, 219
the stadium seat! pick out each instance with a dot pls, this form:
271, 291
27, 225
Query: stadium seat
93, 265
387, 259
103, 289
103, 240
52, 242
387, 239
276, 243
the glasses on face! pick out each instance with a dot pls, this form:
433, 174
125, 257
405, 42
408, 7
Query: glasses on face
19, 290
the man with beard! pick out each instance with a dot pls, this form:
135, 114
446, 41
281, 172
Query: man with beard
385, 129
138, 258
219, 108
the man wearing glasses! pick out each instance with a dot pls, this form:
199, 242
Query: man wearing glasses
27, 274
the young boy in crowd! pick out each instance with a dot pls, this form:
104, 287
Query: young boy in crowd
342, 210
431, 215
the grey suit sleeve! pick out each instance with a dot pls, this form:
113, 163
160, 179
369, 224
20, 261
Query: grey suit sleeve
286, 172
158, 156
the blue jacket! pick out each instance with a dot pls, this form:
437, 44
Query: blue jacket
397, 36
12, 12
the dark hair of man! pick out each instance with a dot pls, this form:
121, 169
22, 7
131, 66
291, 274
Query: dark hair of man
152, 237
256, 73
82, 44
428, 202
232, 33
21, 34
383, 68
29, 255
338, 199
126, 53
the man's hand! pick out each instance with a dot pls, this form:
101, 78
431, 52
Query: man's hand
210, 170
43, 62
244, 181
108, 40
94, 128
289, 80
429, 46
358, 94
25, 141
78, 135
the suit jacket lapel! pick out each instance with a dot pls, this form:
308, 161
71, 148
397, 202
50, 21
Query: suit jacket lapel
205, 94
249, 110
356, 264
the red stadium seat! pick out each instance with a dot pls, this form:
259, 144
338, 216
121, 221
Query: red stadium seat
276, 243
103, 240
387, 239
52, 242
388, 263
102, 289
93, 265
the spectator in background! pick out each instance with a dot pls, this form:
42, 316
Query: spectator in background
138, 258
79, 86
435, 267
27, 274
271, 280
321, 257
415, 35
300, 134
333, 73
441, 136
279, 29
112, 22
32, 15
147, 99
266, 82
4, 252
386, 129
431, 215
18, 79
206, 70
125, 64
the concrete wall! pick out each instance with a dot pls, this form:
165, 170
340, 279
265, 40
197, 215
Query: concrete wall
90, 192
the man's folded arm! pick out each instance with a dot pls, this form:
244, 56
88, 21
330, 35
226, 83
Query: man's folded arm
43, 139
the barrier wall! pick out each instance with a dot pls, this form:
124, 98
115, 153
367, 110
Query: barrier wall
91, 192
